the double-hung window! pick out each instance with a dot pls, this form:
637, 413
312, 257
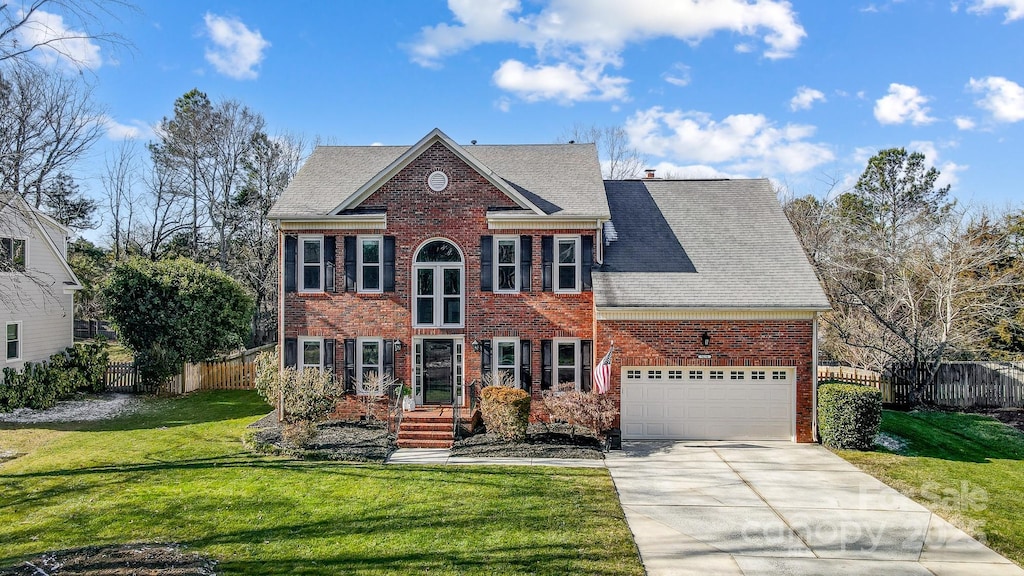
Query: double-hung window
13, 341
370, 265
311, 252
567, 264
506, 264
369, 357
567, 365
311, 353
12, 254
506, 361
438, 285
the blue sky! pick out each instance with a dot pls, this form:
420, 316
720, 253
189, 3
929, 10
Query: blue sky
802, 92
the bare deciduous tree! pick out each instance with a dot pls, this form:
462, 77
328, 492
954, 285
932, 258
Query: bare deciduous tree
31, 28
619, 160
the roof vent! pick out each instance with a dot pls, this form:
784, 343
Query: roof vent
649, 172
437, 181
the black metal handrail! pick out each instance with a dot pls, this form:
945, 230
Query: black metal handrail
394, 394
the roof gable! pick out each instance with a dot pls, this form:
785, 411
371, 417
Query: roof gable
34, 218
435, 136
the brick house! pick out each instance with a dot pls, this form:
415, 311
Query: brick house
441, 263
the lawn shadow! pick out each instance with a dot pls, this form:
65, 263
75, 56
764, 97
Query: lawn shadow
954, 436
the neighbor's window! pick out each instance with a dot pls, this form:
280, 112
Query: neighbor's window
12, 254
506, 264
312, 251
371, 264
13, 341
567, 354
311, 353
369, 358
506, 362
567, 264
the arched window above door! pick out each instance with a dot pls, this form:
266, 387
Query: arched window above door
438, 285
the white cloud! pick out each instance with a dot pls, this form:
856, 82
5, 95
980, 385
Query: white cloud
561, 82
1003, 98
57, 42
236, 50
134, 130
504, 104
590, 35
690, 171
964, 123
1014, 8
678, 75
949, 170
805, 98
742, 142
902, 104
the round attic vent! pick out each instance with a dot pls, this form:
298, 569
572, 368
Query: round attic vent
437, 181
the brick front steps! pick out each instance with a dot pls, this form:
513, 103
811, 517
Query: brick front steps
426, 428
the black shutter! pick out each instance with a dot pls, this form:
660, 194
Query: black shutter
525, 262
350, 365
588, 261
545, 364
389, 358
329, 253
329, 355
486, 266
587, 364
291, 247
389, 263
485, 358
524, 365
291, 352
350, 263
547, 257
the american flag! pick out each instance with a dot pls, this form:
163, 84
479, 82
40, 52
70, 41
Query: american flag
603, 373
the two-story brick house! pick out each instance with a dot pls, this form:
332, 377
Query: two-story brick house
440, 263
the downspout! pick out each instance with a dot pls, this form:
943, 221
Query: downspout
814, 379
280, 321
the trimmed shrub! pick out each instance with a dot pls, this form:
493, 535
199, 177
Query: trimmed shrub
595, 412
309, 396
848, 416
506, 411
39, 385
92, 360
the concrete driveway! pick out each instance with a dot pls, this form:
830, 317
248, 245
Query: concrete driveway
780, 508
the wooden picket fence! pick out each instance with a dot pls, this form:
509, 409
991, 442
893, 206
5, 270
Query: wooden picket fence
956, 385
234, 372
849, 375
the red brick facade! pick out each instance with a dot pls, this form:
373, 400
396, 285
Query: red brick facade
415, 215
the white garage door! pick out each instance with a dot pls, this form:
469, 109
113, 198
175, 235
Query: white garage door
705, 403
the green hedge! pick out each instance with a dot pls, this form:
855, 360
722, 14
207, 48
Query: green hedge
40, 385
848, 416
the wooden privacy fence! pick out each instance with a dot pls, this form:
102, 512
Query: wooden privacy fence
956, 385
124, 377
234, 372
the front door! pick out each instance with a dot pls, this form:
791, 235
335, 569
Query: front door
438, 372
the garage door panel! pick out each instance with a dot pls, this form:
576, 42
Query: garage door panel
727, 409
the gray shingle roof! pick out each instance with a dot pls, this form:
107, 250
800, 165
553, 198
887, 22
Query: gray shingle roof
561, 179
703, 244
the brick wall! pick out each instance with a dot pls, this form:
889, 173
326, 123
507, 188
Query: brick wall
733, 343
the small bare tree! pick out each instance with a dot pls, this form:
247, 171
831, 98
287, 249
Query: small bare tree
619, 160
372, 390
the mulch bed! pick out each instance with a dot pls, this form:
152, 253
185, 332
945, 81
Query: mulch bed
542, 441
1009, 416
334, 440
123, 560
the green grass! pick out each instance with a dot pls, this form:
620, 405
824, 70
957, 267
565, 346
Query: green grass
117, 352
178, 472
967, 468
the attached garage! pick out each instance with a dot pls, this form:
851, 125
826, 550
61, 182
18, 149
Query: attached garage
708, 403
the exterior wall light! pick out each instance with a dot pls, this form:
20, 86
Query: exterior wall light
705, 339
476, 345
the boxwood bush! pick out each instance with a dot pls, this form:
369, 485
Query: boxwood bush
848, 415
505, 411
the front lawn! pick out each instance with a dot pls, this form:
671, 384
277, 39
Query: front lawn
967, 468
176, 472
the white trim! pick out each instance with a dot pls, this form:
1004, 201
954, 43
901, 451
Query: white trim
299, 362
380, 264
653, 313
302, 264
20, 340
514, 221
458, 369
33, 214
347, 222
438, 295
578, 264
414, 152
577, 354
516, 359
516, 243
359, 361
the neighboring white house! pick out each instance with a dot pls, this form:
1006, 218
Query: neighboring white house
37, 285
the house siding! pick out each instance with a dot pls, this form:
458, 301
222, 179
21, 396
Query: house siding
733, 343
45, 311
415, 214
